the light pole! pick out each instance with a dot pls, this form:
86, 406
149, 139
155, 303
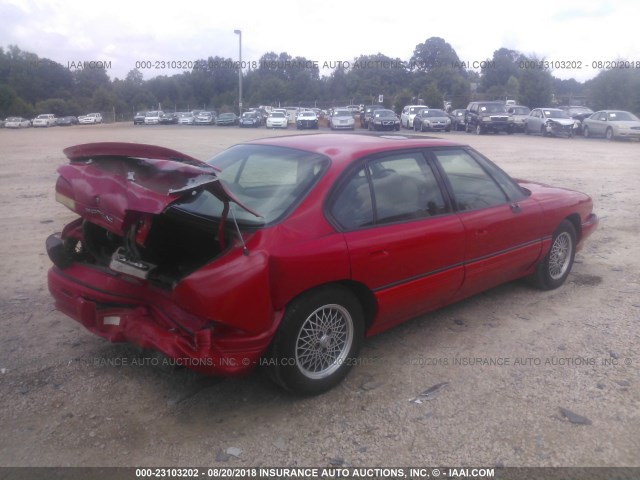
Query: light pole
239, 33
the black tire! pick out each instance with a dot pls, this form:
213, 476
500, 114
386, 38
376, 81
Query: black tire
467, 127
555, 267
479, 130
398, 128
543, 131
317, 341
585, 132
609, 134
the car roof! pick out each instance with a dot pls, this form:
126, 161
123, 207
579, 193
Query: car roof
344, 148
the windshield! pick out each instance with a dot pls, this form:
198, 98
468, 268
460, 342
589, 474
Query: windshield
269, 180
342, 113
520, 110
384, 113
432, 113
227, 115
621, 117
493, 108
556, 114
413, 110
308, 114
580, 111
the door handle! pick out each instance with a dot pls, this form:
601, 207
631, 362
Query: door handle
379, 253
482, 233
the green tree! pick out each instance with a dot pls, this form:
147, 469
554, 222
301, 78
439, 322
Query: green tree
434, 53
432, 96
535, 87
504, 64
616, 88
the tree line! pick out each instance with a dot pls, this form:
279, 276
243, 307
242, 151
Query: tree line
30, 85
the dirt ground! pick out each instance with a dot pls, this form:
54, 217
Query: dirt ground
65, 403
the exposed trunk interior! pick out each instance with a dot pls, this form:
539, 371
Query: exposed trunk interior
177, 244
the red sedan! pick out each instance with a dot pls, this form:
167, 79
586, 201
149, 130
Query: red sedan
287, 252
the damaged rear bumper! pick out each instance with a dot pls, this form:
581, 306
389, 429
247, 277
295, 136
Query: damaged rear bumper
123, 309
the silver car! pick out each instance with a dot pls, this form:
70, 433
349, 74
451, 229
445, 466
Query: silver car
408, 114
612, 124
549, 121
17, 122
342, 118
431, 119
520, 115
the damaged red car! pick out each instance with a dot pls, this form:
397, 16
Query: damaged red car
289, 251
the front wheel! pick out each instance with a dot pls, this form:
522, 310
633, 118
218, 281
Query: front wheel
554, 268
585, 132
478, 130
318, 341
609, 134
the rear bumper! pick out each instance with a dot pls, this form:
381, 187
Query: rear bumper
122, 309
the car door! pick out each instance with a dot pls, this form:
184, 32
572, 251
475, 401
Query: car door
405, 243
533, 122
600, 124
503, 226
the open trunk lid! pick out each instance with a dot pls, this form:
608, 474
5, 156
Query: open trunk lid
105, 182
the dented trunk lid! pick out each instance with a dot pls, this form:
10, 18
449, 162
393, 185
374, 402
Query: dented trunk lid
111, 181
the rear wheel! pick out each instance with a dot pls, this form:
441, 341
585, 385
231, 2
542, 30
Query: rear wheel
585, 132
317, 342
555, 267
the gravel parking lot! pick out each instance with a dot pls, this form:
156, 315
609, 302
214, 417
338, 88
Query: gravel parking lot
510, 366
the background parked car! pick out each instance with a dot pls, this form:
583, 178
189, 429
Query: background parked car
483, 117
153, 117
90, 118
250, 119
408, 113
138, 118
549, 121
612, 124
458, 119
205, 118
277, 120
67, 121
341, 118
17, 122
185, 118
365, 115
168, 118
578, 113
306, 119
44, 120
431, 119
520, 114
227, 119
384, 119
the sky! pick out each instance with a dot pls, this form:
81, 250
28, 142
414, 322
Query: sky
124, 33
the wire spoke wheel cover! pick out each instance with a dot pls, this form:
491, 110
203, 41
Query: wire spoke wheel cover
324, 341
555, 267
560, 255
